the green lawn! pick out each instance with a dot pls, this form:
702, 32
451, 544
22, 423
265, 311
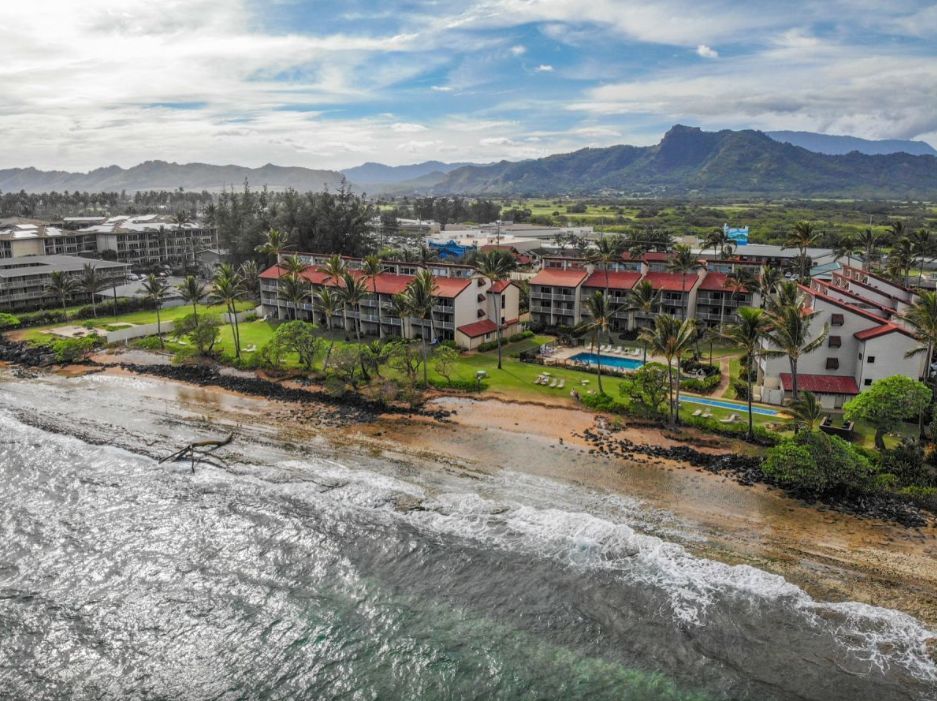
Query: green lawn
39, 334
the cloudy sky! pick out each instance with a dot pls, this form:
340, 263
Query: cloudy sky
330, 84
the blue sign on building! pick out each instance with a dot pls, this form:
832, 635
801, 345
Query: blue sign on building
738, 235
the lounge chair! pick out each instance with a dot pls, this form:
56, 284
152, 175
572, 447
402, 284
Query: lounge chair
562, 384
619, 350
553, 383
706, 415
731, 419
698, 412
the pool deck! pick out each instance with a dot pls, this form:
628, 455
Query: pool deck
564, 353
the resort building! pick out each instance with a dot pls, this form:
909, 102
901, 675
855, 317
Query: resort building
467, 304
25, 281
866, 342
144, 241
558, 290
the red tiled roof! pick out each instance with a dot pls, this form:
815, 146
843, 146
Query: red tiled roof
495, 247
559, 278
390, 283
623, 280
656, 256
718, 282
478, 328
877, 331
821, 384
450, 286
499, 286
871, 274
672, 282
272, 273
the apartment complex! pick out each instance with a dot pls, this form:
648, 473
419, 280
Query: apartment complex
24, 281
145, 240
467, 304
867, 341
558, 291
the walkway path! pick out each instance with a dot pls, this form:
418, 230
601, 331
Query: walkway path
724, 366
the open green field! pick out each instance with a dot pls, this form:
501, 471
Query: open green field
40, 334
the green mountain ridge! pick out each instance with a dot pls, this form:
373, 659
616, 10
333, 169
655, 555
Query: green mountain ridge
692, 162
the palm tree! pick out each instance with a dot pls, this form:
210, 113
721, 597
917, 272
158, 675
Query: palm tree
227, 287
768, 281
62, 286
275, 243
372, 267
329, 302
644, 298
802, 237
790, 335
294, 288
748, 335
91, 283
335, 269
156, 291
739, 280
683, 261
670, 338
496, 265
786, 293
250, 273
901, 259
922, 318
608, 250
600, 312
807, 412
418, 300
869, 241
354, 289
192, 292
293, 265
922, 246
845, 247
720, 243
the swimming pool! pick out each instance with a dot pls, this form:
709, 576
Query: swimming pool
608, 361
722, 404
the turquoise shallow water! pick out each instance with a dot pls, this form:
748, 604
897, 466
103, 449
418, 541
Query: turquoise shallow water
301, 578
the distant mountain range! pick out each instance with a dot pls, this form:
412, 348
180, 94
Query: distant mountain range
692, 162
160, 175
841, 145
380, 174
687, 162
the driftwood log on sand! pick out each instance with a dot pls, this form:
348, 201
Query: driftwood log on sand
200, 451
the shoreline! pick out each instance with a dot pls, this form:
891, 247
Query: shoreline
832, 555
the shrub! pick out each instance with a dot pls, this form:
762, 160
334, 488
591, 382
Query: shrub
603, 402
522, 336
906, 462
146, 343
68, 350
703, 386
738, 430
819, 464
741, 389
925, 497
8, 321
460, 385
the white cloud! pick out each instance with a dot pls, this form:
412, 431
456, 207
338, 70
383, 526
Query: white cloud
821, 87
407, 127
544, 68
496, 141
442, 88
518, 50
707, 51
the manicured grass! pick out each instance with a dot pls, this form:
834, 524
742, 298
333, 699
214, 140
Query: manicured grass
40, 334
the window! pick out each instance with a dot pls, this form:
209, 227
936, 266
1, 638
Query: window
835, 341
871, 359
832, 363
837, 320
860, 356
867, 383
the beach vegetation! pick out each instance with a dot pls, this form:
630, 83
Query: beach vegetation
887, 403
68, 350
818, 464
8, 321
